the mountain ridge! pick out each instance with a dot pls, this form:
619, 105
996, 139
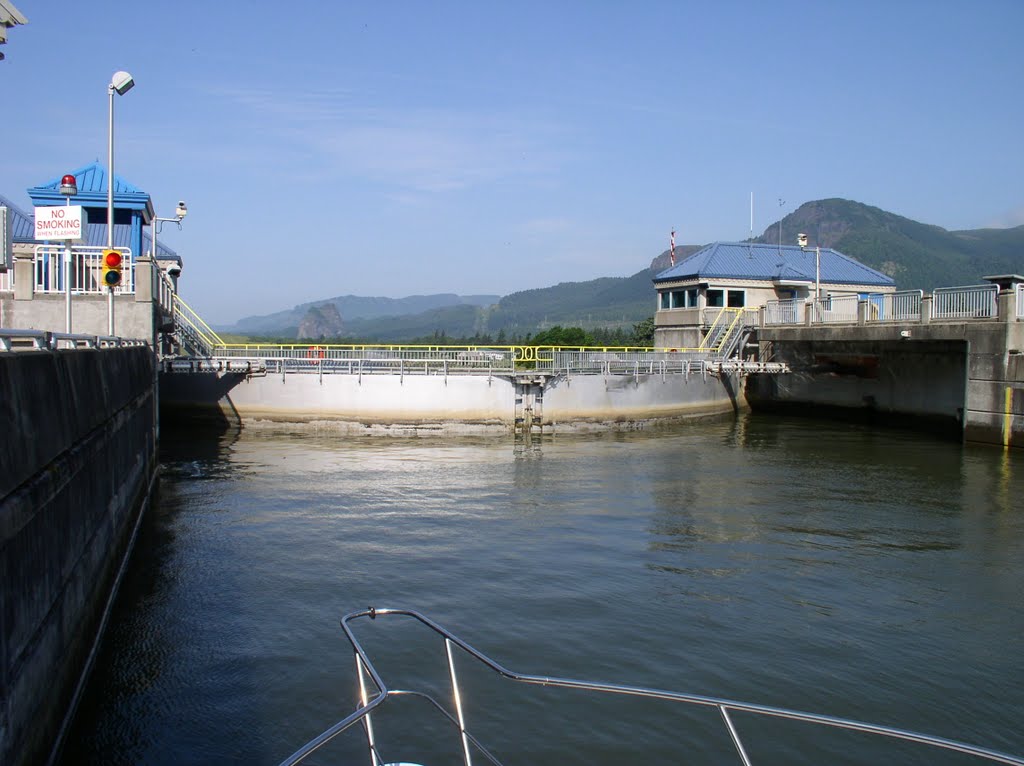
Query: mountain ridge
917, 255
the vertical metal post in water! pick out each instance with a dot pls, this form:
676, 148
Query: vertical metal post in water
458, 702
370, 740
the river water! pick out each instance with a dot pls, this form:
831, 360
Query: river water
870, 574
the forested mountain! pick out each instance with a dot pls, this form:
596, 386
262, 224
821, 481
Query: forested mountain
916, 255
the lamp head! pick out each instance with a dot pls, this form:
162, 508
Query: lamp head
122, 82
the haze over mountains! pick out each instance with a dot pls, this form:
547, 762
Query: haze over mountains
916, 255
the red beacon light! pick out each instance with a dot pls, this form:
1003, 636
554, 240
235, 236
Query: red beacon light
68, 186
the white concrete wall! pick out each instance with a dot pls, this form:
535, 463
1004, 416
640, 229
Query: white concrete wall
436, 400
628, 398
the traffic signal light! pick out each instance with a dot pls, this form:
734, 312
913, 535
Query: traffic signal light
111, 268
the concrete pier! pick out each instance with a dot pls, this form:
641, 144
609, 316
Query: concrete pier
964, 377
456, 402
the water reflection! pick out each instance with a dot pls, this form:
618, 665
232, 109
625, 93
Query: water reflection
831, 568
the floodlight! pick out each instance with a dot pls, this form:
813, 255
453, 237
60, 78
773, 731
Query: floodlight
122, 82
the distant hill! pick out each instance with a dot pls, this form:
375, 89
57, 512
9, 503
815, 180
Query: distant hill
353, 307
916, 255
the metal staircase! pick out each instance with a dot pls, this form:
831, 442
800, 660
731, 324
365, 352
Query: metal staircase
726, 334
197, 338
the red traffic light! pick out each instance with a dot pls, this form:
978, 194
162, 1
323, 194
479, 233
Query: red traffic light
111, 268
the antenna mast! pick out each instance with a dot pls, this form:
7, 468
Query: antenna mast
751, 215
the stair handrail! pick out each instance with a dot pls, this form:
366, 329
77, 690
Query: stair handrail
722, 336
186, 318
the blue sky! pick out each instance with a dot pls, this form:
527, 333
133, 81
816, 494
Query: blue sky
398, 147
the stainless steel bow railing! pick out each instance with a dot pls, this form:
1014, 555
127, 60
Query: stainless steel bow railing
367, 704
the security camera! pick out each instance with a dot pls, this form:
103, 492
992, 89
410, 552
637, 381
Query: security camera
801, 239
181, 211
174, 271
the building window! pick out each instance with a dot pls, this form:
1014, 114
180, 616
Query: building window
716, 298
665, 298
737, 299
678, 299
691, 297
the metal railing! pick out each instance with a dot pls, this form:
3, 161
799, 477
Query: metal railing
443, 360
456, 715
86, 270
971, 302
835, 309
41, 340
198, 337
164, 291
789, 311
1020, 301
903, 306
724, 329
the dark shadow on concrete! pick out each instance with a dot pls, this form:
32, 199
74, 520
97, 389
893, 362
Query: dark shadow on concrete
199, 398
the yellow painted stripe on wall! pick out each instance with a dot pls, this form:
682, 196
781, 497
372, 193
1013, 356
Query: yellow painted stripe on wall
1007, 415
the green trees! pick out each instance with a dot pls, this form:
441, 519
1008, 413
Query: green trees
562, 336
643, 333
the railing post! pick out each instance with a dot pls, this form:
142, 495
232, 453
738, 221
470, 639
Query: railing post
458, 702
926, 309
364, 700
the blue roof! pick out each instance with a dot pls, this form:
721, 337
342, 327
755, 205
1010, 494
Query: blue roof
742, 260
92, 191
23, 227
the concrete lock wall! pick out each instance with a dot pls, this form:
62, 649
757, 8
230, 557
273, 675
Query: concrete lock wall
576, 400
391, 402
89, 314
965, 379
78, 468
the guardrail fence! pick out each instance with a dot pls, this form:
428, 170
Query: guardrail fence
839, 309
1020, 301
784, 312
85, 273
972, 302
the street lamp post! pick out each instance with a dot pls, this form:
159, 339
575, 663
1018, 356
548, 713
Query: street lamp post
120, 83
69, 188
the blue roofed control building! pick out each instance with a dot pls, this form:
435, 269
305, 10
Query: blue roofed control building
740, 275
34, 288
